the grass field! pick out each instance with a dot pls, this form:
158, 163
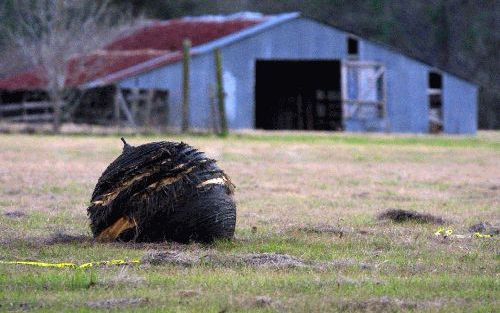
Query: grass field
313, 198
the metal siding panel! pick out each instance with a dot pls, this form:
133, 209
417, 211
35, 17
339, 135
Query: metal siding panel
407, 103
459, 106
169, 78
202, 77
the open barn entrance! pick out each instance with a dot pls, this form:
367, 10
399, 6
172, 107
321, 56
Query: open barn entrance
298, 94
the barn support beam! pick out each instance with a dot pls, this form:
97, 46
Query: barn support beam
116, 105
134, 100
126, 110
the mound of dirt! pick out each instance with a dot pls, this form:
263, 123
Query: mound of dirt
162, 191
401, 216
254, 260
14, 214
64, 238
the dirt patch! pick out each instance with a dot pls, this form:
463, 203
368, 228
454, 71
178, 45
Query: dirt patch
384, 304
340, 264
485, 228
125, 277
263, 301
116, 303
323, 229
255, 260
188, 293
387, 304
17, 306
64, 238
14, 214
180, 258
361, 195
40, 242
271, 260
402, 216
282, 261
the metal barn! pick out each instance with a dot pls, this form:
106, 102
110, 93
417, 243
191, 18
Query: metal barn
280, 72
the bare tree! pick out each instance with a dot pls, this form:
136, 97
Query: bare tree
54, 33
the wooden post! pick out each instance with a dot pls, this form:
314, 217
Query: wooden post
134, 104
186, 60
116, 105
221, 94
126, 111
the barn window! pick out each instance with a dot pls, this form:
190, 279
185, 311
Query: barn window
435, 80
352, 47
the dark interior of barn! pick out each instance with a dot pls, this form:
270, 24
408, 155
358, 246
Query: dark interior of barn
435, 102
298, 94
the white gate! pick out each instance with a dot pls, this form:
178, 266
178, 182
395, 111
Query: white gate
363, 90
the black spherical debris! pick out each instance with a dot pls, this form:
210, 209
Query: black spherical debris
162, 191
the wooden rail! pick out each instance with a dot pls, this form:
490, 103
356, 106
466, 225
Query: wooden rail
30, 118
25, 106
18, 112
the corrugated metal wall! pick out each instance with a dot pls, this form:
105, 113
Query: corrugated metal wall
407, 80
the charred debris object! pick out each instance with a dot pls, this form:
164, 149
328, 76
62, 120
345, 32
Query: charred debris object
402, 216
162, 191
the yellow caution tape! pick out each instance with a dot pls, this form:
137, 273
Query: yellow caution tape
448, 232
40, 264
107, 263
73, 265
479, 235
444, 232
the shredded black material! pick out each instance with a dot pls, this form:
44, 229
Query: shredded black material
401, 216
160, 186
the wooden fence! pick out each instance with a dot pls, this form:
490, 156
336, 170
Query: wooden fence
22, 112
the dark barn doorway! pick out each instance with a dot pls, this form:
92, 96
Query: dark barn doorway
298, 95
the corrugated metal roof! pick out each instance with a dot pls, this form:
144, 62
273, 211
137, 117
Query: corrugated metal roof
150, 47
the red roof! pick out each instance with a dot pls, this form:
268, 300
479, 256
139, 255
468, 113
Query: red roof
159, 41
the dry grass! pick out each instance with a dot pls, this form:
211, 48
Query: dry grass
310, 199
